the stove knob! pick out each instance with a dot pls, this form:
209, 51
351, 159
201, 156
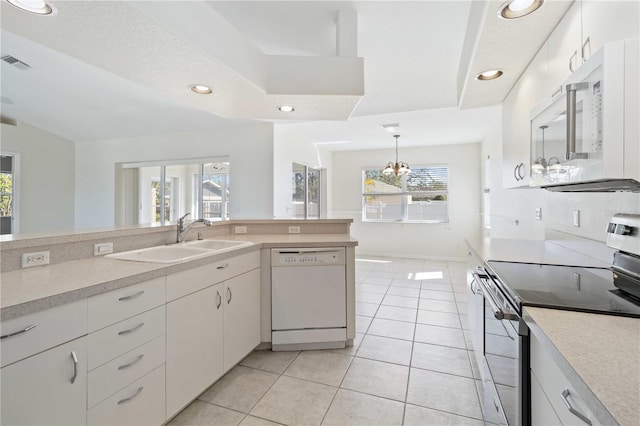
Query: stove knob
623, 229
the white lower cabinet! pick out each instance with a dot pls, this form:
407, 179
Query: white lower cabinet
194, 345
49, 388
542, 412
241, 317
140, 403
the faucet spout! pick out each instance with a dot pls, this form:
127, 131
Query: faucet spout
182, 229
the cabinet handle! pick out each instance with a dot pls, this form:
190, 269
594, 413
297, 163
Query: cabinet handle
515, 173
229, 295
122, 367
74, 358
131, 330
132, 296
572, 60
587, 43
225, 266
520, 168
578, 414
24, 330
129, 398
571, 153
219, 300
557, 93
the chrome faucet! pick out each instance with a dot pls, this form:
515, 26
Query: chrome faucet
182, 229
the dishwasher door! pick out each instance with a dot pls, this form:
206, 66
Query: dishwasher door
308, 291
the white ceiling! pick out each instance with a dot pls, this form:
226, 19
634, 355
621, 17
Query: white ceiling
108, 69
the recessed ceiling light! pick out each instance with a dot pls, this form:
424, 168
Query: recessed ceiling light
391, 128
286, 108
489, 75
39, 7
201, 89
518, 8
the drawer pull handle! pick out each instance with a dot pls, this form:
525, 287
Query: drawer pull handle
131, 330
24, 330
578, 414
225, 266
219, 300
74, 358
229, 295
132, 296
122, 367
129, 398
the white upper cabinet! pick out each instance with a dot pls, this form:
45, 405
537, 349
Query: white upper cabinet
563, 49
607, 21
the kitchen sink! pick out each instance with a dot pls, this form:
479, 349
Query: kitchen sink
218, 245
179, 252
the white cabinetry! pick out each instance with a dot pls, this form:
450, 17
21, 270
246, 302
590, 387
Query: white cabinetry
44, 374
558, 394
241, 317
126, 351
213, 321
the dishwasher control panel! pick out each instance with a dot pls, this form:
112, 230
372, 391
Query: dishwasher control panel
308, 256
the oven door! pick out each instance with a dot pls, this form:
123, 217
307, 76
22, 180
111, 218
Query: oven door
506, 359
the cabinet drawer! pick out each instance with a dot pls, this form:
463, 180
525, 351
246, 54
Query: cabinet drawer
115, 375
186, 282
117, 305
141, 403
49, 328
553, 382
113, 341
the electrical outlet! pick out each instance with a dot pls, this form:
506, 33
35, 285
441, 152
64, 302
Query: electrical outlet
294, 229
576, 218
240, 229
102, 249
35, 259
539, 213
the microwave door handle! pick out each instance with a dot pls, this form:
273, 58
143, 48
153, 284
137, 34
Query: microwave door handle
571, 119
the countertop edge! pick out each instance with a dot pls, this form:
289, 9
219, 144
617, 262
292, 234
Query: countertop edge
597, 407
25, 308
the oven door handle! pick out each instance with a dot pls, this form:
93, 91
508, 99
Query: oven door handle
475, 290
498, 312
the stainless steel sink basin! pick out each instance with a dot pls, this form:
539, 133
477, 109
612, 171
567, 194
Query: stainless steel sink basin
180, 252
162, 254
218, 245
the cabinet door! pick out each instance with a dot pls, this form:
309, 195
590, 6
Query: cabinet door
542, 413
606, 21
562, 43
241, 317
38, 390
194, 345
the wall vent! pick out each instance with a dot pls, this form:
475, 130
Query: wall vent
16, 62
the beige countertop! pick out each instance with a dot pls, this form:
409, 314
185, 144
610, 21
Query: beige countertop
29, 290
532, 251
599, 352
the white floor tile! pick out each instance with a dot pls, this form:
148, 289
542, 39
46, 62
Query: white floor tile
366, 309
366, 297
354, 408
444, 336
420, 416
401, 301
442, 319
390, 328
377, 378
320, 366
397, 313
202, 413
442, 359
275, 362
403, 291
385, 349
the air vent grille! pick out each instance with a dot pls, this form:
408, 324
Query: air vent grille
16, 62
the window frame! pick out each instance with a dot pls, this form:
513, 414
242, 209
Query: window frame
404, 195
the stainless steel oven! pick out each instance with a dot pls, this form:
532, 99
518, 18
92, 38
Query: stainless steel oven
502, 354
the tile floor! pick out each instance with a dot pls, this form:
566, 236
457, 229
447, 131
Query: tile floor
410, 364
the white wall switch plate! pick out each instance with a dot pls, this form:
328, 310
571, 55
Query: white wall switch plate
294, 229
576, 218
102, 249
538, 213
35, 259
240, 230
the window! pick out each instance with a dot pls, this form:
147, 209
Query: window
7, 192
421, 196
305, 200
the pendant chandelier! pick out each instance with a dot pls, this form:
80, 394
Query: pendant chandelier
397, 168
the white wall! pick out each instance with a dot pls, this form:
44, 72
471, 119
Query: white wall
46, 192
422, 240
292, 148
248, 146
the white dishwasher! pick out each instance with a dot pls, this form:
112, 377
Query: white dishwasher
308, 298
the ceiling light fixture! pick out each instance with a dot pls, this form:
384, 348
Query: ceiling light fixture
391, 128
489, 75
201, 89
286, 108
38, 7
399, 168
513, 9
